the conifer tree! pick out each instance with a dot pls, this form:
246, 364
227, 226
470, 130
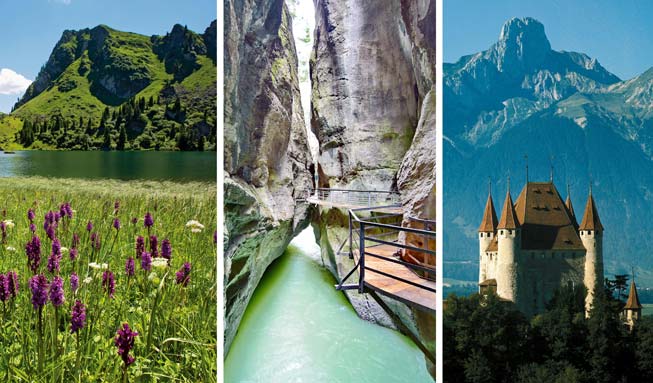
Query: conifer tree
106, 144
122, 138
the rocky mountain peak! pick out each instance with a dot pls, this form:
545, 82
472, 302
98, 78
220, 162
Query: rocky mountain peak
522, 43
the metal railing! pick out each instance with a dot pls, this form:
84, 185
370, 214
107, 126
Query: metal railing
367, 198
372, 232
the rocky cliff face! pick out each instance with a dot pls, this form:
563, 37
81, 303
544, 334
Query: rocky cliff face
373, 112
365, 96
266, 150
119, 64
492, 91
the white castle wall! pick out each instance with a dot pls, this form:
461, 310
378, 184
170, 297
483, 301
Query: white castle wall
485, 270
593, 267
530, 277
506, 268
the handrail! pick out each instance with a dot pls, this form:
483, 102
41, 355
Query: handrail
372, 208
407, 229
422, 220
352, 197
357, 190
361, 226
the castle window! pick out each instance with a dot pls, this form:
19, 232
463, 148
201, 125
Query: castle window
510, 232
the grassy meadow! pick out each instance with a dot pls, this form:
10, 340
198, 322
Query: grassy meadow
175, 317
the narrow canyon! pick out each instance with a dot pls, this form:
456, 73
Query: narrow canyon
372, 74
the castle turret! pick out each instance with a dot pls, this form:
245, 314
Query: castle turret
508, 237
486, 233
591, 233
633, 309
570, 209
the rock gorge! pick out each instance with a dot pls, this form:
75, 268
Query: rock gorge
373, 112
266, 157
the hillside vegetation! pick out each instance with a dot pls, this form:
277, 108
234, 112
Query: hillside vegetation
106, 89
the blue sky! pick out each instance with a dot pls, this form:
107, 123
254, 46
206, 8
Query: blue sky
618, 33
30, 28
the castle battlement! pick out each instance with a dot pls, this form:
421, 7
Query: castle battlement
538, 246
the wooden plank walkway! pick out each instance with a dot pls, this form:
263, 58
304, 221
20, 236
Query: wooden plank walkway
316, 201
409, 294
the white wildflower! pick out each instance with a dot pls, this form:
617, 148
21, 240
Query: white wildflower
10, 248
98, 266
87, 280
64, 249
159, 263
9, 223
195, 226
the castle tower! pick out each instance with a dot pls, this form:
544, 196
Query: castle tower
570, 208
508, 237
591, 234
486, 233
633, 309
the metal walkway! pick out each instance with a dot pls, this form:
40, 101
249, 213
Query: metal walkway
384, 201
377, 251
377, 244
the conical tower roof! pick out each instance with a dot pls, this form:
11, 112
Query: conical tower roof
570, 209
633, 299
508, 216
591, 220
489, 223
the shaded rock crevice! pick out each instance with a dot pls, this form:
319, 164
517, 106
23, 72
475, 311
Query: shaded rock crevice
267, 157
373, 112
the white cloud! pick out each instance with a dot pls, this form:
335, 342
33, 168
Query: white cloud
12, 82
64, 2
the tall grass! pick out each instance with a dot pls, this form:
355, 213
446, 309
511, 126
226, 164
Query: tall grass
176, 324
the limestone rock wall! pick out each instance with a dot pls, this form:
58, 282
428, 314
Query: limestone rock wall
373, 112
416, 183
365, 94
266, 151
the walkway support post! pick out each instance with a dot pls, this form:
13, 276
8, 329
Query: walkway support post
351, 228
361, 262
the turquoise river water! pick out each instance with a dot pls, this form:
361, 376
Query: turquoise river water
298, 328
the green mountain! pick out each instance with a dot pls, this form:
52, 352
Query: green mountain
106, 89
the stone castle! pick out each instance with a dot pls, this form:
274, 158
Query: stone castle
538, 246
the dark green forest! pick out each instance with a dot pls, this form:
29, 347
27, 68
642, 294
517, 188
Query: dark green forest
128, 127
487, 339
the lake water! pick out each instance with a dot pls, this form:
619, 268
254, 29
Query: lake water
298, 328
647, 309
150, 165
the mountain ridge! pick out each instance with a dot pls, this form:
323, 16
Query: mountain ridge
109, 89
571, 117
